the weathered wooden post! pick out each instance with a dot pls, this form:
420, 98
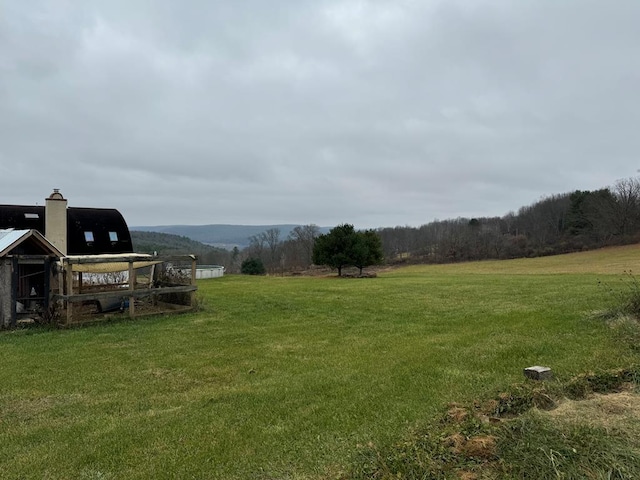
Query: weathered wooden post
132, 287
15, 279
192, 296
60, 304
69, 271
47, 284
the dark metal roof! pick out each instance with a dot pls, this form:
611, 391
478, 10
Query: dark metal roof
89, 230
22, 217
108, 229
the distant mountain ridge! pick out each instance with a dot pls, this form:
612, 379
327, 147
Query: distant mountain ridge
221, 235
169, 244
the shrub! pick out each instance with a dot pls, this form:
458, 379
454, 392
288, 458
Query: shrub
252, 266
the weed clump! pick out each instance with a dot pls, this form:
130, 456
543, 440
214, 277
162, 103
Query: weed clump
625, 299
604, 382
623, 313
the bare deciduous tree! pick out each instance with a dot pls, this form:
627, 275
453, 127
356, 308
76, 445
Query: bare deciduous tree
627, 214
304, 237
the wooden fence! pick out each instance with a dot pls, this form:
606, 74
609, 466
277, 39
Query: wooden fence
75, 292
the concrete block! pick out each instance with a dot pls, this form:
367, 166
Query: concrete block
538, 373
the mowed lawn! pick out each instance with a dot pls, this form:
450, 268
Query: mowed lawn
285, 377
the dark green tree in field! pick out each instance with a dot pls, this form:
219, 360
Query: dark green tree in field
252, 266
344, 246
367, 249
333, 248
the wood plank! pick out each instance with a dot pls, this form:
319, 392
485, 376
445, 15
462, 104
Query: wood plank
127, 258
123, 293
192, 297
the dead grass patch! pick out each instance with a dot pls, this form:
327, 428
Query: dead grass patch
600, 410
477, 446
32, 407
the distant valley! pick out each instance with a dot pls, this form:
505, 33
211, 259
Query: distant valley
220, 235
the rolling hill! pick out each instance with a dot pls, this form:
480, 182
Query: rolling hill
168, 244
221, 235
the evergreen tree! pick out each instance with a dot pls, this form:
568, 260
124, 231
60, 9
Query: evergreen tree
344, 246
367, 249
253, 266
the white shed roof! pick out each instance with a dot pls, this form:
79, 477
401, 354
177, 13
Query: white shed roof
10, 239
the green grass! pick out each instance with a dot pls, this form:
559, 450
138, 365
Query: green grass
286, 377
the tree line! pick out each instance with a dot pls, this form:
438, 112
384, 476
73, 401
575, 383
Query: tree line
555, 224
279, 255
562, 223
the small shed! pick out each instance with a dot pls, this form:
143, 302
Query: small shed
26, 260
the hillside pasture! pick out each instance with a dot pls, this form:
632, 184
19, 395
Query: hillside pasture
285, 377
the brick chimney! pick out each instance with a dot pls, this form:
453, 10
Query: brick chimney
55, 220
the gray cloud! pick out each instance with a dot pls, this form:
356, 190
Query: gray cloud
372, 112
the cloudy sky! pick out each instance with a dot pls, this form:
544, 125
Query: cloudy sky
371, 112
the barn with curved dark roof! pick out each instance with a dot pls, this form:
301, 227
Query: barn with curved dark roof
97, 230
44, 251
89, 231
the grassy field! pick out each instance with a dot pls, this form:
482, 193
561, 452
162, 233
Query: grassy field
285, 377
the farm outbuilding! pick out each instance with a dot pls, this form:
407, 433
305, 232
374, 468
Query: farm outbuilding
64, 261
26, 274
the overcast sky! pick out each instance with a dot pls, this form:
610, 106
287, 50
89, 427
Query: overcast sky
376, 113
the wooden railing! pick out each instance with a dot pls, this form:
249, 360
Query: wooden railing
70, 294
